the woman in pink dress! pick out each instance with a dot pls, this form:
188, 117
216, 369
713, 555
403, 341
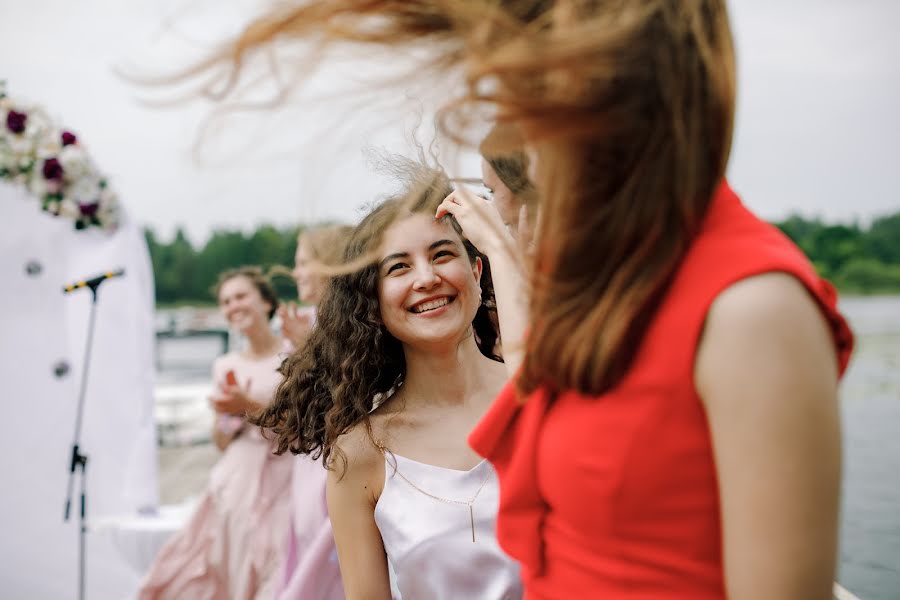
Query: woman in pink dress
310, 568
234, 542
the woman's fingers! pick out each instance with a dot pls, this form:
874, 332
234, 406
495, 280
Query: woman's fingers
448, 205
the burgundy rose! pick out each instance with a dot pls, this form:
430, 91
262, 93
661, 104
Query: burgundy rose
52, 170
15, 121
68, 138
90, 209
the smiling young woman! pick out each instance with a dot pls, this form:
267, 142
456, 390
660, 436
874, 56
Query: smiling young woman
233, 543
397, 372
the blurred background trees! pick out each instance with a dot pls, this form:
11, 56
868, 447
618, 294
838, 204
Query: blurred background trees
855, 259
858, 260
186, 274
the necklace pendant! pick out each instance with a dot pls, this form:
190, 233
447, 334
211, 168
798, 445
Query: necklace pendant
472, 521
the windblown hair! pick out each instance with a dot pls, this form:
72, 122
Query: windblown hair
629, 106
326, 243
260, 281
351, 362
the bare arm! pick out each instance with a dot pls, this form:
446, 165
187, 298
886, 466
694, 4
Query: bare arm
483, 226
767, 373
351, 507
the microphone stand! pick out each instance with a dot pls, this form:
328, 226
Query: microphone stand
79, 460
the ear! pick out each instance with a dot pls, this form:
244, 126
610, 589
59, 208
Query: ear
476, 269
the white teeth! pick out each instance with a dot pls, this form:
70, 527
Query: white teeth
431, 305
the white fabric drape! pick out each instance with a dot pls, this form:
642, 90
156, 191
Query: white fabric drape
40, 328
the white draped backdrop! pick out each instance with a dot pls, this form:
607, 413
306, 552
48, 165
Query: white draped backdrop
40, 328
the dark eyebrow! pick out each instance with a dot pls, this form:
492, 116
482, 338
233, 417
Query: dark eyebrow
397, 255
442, 243
391, 257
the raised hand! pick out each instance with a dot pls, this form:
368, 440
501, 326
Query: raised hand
481, 223
296, 323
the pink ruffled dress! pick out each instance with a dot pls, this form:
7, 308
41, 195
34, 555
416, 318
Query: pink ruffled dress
310, 568
232, 546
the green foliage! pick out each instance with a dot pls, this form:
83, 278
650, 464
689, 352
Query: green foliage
187, 275
868, 275
857, 260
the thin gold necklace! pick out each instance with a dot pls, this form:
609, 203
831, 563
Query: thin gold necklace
468, 503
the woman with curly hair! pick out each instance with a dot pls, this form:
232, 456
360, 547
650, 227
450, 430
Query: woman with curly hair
396, 373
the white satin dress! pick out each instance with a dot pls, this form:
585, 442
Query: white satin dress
427, 533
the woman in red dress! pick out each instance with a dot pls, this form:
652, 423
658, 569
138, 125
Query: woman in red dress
674, 429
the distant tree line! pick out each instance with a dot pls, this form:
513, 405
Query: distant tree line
856, 259
186, 274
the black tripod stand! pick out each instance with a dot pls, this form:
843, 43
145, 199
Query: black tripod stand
79, 461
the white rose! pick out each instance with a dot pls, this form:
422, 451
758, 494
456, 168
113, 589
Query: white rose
37, 185
68, 208
83, 191
75, 162
8, 159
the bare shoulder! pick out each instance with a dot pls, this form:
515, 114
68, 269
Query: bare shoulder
767, 327
357, 461
766, 298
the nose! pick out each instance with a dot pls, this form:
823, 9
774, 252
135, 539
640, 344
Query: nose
426, 278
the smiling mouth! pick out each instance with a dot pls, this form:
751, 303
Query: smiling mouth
431, 305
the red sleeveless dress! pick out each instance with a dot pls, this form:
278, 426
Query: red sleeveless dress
616, 496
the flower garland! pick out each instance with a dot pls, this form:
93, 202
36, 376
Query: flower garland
53, 166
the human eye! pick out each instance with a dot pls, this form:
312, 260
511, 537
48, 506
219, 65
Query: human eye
444, 254
396, 267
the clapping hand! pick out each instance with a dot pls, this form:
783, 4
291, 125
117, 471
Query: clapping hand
232, 399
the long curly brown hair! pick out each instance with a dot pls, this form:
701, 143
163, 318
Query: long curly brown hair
351, 362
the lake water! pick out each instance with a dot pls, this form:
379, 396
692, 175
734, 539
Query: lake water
870, 524
870, 393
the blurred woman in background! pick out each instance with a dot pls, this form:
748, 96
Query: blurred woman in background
233, 543
316, 247
310, 568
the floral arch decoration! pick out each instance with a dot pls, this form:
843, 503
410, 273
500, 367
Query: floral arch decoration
53, 166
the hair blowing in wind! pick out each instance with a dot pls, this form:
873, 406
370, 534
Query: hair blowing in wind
629, 109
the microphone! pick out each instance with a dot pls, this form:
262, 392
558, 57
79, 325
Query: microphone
93, 282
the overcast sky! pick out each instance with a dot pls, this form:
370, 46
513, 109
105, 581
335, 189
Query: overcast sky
817, 121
